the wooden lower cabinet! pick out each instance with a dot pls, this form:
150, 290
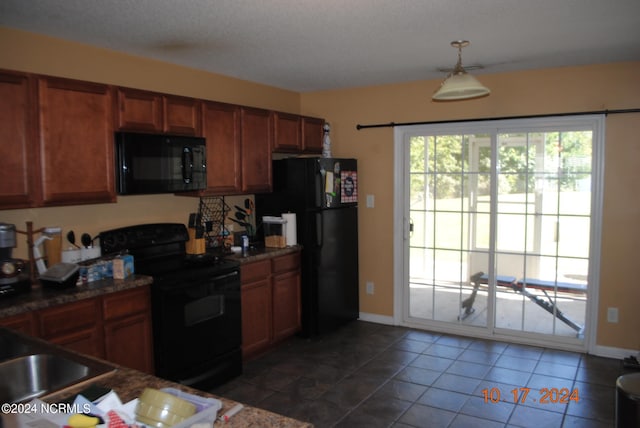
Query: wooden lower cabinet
256, 318
127, 342
127, 329
115, 327
76, 325
270, 302
286, 305
23, 323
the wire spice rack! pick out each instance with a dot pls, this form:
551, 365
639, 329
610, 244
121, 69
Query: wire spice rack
213, 210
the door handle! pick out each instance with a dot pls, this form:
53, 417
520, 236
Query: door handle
408, 228
187, 164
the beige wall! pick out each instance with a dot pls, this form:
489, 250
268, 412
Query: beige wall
596, 87
562, 90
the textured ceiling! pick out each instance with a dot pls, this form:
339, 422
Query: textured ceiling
308, 45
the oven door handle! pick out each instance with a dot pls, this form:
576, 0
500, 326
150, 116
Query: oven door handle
227, 275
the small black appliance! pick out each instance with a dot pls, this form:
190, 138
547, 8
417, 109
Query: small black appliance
14, 275
155, 163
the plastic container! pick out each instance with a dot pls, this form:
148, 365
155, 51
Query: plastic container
160, 409
275, 232
206, 408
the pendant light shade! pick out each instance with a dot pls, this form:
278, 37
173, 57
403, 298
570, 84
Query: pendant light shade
460, 85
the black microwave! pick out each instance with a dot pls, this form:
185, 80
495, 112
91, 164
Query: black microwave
154, 163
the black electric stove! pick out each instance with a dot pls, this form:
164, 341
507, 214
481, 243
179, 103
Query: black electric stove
195, 303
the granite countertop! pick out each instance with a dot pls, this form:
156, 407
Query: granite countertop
40, 298
129, 384
264, 253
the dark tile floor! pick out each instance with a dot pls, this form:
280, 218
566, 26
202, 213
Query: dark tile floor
372, 375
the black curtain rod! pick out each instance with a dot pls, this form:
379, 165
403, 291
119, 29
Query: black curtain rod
584, 113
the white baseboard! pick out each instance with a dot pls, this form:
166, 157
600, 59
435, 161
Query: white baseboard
617, 353
600, 351
379, 319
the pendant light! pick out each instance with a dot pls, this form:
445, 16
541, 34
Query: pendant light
459, 85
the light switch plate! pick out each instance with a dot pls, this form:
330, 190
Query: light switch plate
371, 201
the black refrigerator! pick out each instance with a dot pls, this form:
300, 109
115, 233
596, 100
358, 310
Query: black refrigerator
323, 193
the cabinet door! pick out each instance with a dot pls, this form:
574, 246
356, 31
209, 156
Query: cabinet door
24, 323
128, 342
312, 134
256, 150
256, 317
221, 128
127, 328
139, 110
20, 172
76, 325
182, 116
76, 137
286, 304
256, 307
286, 132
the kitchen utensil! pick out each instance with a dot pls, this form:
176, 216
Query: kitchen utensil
86, 240
71, 237
240, 215
242, 210
194, 220
248, 204
241, 223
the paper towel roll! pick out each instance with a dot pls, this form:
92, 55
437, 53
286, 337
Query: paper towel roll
291, 229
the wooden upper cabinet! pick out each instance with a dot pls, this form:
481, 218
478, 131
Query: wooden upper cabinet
312, 134
19, 175
182, 115
139, 110
76, 142
286, 132
256, 134
147, 111
221, 128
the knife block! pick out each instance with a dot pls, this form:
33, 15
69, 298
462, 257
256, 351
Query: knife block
194, 245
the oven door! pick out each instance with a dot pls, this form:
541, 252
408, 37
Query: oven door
197, 320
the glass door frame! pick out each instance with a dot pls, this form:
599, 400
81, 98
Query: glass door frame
401, 222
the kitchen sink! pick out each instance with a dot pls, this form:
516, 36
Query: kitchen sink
31, 368
35, 375
12, 346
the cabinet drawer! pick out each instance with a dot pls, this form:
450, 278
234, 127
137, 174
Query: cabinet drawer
129, 302
23, 323
69, 317
285, 263
250, 272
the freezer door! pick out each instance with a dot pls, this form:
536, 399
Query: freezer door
337, 267
336, 182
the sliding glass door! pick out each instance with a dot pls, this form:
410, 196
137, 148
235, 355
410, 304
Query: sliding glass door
500, 218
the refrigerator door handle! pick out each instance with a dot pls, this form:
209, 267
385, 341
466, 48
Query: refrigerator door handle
319, 227
319, 188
